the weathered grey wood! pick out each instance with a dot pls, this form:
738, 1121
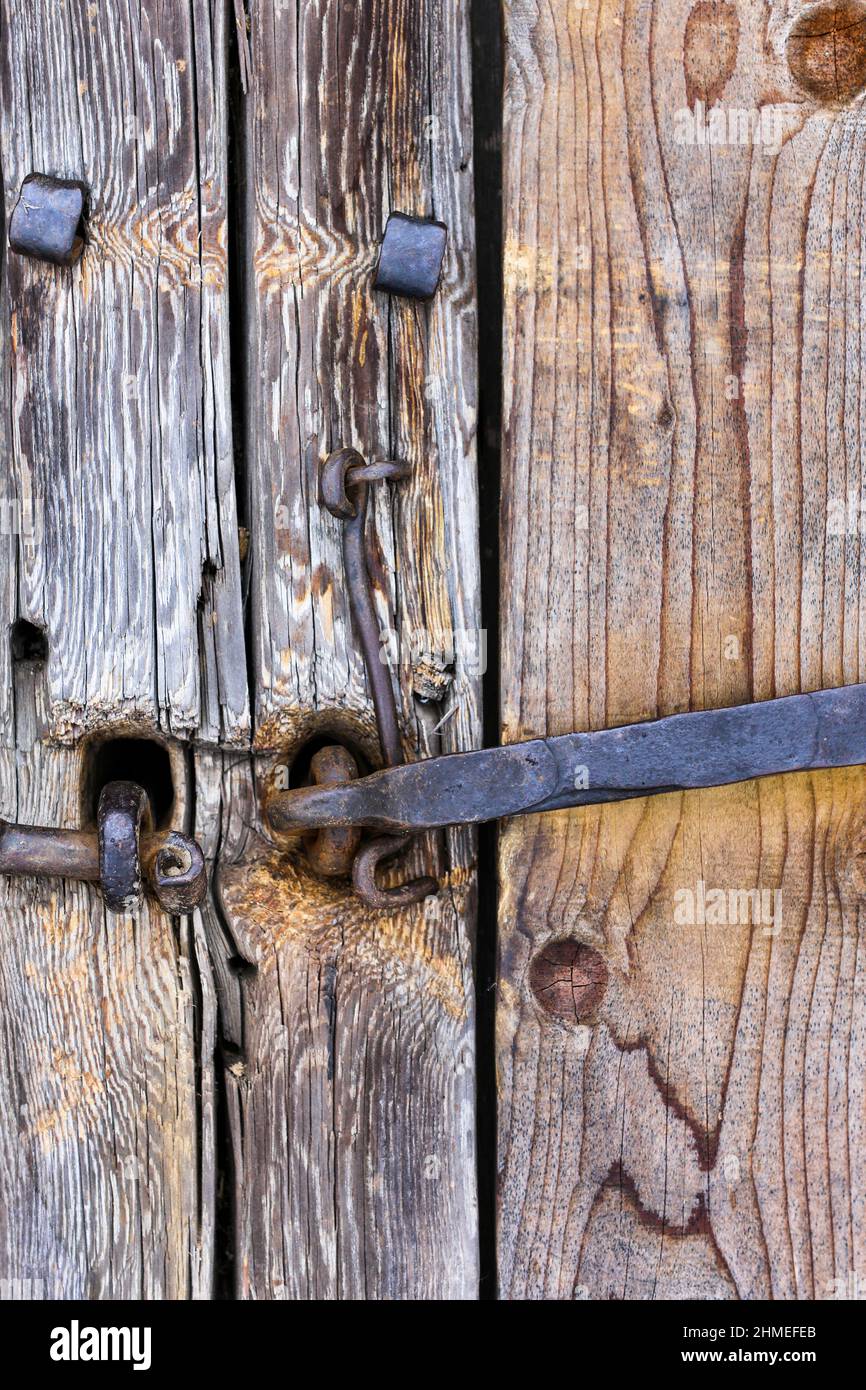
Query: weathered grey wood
346, 1037
352, 1093
683, 386
118, 386
107, 1152
115, 410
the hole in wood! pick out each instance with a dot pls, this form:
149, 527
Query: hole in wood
568, 979
826, 50
140, 760
29, 643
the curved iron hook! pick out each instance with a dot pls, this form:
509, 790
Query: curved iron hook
367, 861
344, 489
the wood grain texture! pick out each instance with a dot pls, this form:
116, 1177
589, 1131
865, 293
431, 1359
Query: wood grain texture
115, 416
352, 1082
681, 529
107, 1101
118, 402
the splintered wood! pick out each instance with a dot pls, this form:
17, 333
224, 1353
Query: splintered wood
353, 1106
343, 1040
119, 546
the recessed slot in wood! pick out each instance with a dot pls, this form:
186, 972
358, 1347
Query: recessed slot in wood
141, 760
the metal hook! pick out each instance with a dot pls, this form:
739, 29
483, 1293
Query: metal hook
344, 490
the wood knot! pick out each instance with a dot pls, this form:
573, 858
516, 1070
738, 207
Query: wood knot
826, 50
710, 45
568, 979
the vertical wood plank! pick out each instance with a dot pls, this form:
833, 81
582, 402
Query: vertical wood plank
118, 400
353, 1081
681, 1092
107, 1145
115, 411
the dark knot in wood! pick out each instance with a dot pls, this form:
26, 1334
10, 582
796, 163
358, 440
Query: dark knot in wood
568, 979
827, 50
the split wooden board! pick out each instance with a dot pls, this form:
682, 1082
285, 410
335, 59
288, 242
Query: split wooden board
275, 1098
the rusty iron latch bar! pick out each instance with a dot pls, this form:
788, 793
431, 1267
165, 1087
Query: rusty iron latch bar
122, 854
798, 733
700, 749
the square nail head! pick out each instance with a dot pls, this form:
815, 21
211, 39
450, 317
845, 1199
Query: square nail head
46, 221
410, 261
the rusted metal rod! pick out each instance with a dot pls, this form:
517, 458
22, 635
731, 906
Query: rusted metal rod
344, 483
172, 864
708, 748
332, 851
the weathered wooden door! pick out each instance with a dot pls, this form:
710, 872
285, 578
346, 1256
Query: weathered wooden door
285, 1094
272, 1097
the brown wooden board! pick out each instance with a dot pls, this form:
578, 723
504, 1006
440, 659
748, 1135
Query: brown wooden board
682, 1081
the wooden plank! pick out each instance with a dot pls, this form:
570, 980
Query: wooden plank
352, 1081
681, 1093
115, 410
118, 384
107, 1097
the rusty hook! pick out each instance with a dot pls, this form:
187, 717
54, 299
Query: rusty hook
344, 489
367, 861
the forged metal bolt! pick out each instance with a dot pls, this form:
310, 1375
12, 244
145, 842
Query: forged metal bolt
410, 261
46, 222
122, 853
332, 852
123, 810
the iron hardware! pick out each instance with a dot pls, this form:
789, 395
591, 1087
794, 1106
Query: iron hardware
332, 852
798, 733
123, 851
410, 260
344, 487
46, 222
